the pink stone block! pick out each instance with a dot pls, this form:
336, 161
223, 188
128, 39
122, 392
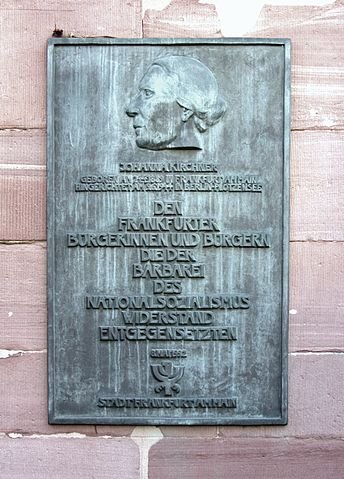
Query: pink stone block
23, 308
317, 185
23, 148
68, 458
22, 184
317, 39
253, 458
316, 296
23, 208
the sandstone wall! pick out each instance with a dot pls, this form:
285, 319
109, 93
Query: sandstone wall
312, 445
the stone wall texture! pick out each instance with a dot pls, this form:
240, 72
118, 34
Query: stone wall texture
312, 445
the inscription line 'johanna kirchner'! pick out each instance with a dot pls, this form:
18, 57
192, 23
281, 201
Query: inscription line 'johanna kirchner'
168, 167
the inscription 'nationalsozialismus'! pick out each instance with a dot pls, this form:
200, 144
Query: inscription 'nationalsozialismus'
199, 302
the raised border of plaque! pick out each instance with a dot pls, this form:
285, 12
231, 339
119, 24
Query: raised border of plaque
83, 327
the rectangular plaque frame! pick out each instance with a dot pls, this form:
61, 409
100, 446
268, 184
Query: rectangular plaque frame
96, 374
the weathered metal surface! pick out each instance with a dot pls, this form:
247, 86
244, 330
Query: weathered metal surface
168, 231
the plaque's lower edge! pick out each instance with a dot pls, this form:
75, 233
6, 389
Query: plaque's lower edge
282, 421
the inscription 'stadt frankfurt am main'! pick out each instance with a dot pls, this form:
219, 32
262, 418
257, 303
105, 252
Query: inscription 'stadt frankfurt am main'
168, 231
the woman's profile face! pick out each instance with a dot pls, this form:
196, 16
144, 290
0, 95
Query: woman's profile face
157, 117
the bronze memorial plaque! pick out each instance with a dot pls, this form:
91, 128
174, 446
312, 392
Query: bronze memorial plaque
168, 230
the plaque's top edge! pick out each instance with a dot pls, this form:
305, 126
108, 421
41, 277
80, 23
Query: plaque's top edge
168, 41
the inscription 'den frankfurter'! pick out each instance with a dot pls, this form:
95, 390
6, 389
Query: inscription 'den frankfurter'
168, 231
